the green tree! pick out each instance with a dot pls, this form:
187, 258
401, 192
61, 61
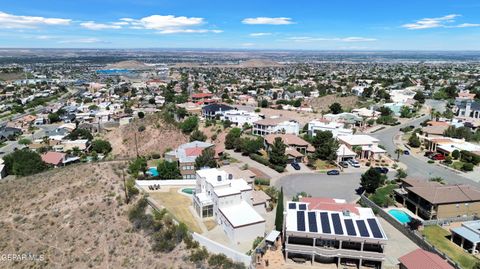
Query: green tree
232, 138
336, 108
79, 133
263, 103
250, 145
414, 141
24, 141
137, 166
405, 112
24, 162
371, 180
456, 154
277, 155
419, 97
53, 117
325, 146
197, 135
101, 146
190, 124
168, 170
141, 115
279, 212
401, 174
206, 159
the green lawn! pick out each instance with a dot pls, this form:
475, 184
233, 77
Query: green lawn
382, 196
437, 236
323, 165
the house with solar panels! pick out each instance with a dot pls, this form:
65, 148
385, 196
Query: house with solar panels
325, 230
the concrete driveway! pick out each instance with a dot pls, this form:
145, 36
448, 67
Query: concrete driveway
342, 186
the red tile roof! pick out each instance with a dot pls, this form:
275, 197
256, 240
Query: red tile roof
421, 259
202, 95
194, 151
52, 157
329, 204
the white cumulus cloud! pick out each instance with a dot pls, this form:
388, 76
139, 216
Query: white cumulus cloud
440, 22
168, 24
91, 25
11, 21
268, 20
260, 34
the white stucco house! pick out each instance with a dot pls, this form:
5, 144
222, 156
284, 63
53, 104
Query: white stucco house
337, 128
230, 202
240, 117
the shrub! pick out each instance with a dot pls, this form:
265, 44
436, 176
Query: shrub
467, 167
259, 158
431, 161
262, 181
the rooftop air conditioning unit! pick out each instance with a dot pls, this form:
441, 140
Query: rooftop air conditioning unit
219, 178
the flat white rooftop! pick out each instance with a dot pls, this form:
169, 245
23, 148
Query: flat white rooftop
241, 214
358, 139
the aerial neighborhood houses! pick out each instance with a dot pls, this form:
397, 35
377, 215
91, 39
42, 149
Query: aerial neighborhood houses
185, 155
276, 125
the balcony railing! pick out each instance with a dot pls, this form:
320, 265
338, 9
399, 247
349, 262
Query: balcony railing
329, 252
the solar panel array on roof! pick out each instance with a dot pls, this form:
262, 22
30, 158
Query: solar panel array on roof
337, 225
301, 221
302, 207
325, 222
292, 206
362, 228
350, 227
374, 228
312, 222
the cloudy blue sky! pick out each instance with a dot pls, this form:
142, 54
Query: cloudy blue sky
248, 24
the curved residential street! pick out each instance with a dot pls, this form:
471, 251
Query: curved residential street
418, 168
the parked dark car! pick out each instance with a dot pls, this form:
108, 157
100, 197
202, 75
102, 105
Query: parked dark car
406, 152
296, 166
333, 173
343, 164
381, 170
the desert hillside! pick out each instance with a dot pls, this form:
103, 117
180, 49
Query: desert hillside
323, 103
76, 218
155, 139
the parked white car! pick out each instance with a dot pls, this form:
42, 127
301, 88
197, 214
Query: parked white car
354, 163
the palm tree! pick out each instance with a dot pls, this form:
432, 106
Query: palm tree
432, 113
399, 152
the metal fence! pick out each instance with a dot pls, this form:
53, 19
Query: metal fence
448, 220
415, 236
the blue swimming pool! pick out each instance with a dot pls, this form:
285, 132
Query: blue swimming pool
399, 215
153, 171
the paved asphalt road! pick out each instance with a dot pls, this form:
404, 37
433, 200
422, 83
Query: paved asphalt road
342, 186
418, 168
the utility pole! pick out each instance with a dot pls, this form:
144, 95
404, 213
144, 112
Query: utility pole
136, 143
127, 199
